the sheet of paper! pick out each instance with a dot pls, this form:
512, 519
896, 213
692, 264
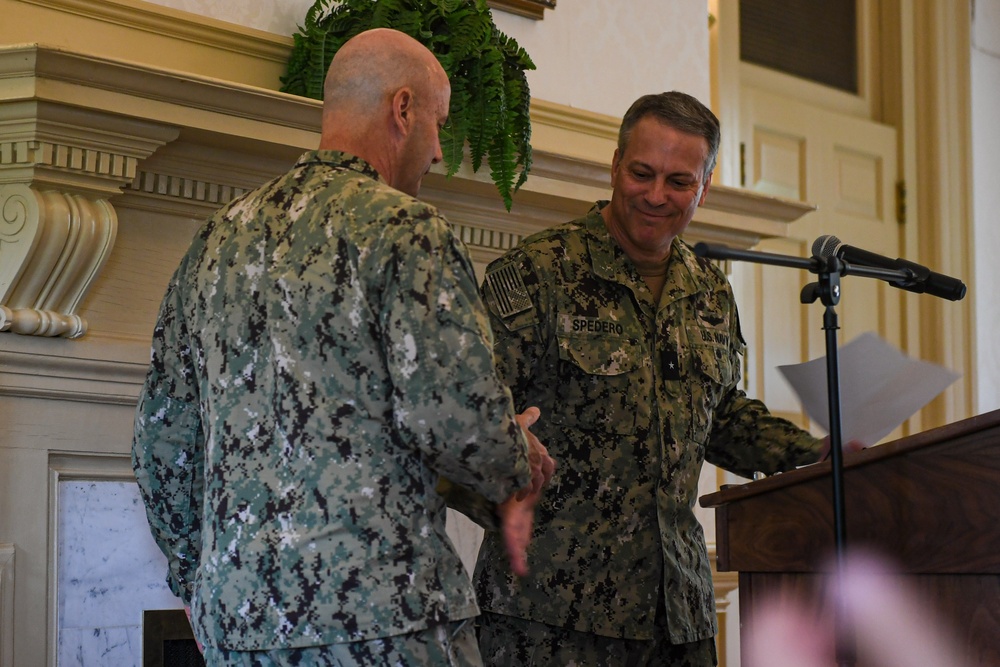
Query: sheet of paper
880, 387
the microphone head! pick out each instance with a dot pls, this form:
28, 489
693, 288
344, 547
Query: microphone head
825, 246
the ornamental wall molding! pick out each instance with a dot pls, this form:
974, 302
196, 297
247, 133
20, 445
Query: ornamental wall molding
26, 156
59, 165
52, 245
174, 193
83, 137
98, 378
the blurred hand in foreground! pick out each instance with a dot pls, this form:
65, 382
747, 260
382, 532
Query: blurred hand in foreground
890, 623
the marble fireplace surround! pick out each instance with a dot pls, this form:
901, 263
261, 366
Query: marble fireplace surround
106, 169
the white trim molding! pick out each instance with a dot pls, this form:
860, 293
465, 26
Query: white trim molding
7, 553
724, 583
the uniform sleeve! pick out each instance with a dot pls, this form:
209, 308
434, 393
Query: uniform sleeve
510, 291
745, 437
167, 447
448, 401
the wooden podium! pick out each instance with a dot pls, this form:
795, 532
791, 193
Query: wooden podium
929, 502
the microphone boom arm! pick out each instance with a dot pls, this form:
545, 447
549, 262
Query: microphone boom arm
812, 264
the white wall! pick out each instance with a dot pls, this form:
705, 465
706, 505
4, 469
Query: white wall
597, 55
600, 55
986, 197
276, 16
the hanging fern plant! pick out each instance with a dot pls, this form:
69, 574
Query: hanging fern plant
489, 90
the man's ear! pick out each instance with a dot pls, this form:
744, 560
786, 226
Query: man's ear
402, 109
614, 167
705, 187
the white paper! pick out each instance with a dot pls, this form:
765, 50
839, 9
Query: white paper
880, 387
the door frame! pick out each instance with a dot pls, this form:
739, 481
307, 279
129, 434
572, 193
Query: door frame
916, 78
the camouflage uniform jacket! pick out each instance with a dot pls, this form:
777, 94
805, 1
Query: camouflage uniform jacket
321, 356
634, 397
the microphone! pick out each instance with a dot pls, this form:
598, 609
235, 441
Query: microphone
921, 279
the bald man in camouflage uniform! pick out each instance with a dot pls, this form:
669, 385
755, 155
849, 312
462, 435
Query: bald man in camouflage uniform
630, 346
321, 357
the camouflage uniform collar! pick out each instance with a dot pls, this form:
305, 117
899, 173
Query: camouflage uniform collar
608, 258
339, 160
685, 276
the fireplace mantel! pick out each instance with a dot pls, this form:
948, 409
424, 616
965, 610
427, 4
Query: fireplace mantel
82, 136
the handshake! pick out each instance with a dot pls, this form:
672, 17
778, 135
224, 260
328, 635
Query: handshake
517, 513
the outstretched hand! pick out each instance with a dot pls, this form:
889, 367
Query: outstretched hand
517, 513
542, 465
849, 447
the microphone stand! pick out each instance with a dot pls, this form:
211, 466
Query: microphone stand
827, 290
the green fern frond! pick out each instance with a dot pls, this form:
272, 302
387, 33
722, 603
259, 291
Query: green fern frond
513, 53
487, 105
490, 98
471, 33
455, 131
519, 119
503, 163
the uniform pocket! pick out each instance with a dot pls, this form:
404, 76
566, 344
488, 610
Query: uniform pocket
713, 375
596, 383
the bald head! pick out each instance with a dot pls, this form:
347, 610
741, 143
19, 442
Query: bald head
370, 67
384, 100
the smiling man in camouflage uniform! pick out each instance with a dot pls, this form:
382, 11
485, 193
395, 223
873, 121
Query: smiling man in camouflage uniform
321, 357
630, 346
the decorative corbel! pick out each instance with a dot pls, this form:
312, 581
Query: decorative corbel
58, 168
52, 245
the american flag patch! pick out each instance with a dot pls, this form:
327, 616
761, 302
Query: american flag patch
506, 292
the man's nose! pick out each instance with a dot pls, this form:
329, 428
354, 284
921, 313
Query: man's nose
656, 193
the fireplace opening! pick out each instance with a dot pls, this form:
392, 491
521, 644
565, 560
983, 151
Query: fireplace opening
167, 640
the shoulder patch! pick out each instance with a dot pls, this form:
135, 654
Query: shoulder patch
505, 290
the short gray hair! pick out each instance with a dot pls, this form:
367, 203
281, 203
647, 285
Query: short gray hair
679, 111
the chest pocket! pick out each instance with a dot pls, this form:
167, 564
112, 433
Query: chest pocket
713, 374
598, 383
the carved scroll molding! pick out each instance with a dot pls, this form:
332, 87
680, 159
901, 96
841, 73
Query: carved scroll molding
52, 245
59, 165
